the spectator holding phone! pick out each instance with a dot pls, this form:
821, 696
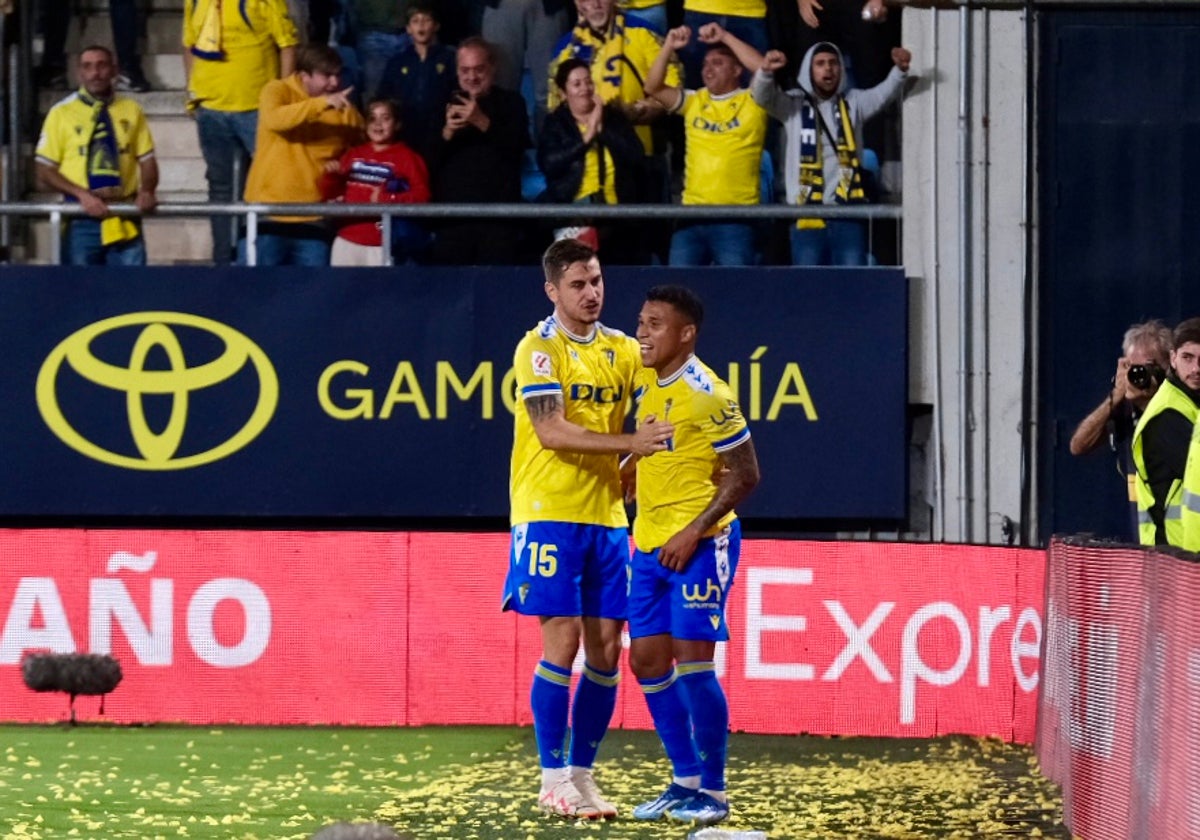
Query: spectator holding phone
477, 159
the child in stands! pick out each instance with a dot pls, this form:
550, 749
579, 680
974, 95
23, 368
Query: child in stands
383, 170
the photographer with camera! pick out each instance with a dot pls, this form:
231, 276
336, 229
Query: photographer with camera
1142, 368
1161, 441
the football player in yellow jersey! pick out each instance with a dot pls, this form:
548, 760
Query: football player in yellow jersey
724, 130
570, 540
687, 541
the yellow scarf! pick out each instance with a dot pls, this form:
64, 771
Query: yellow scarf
849, 189
209, 42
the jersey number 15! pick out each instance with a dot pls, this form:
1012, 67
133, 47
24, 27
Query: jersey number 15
542, 560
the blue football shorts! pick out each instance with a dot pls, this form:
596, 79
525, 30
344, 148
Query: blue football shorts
688, 604
564, 568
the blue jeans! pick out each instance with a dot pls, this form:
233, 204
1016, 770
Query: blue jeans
751, 30
82, 246
840, 242
290, 244
374, 50
723, 243
225, 136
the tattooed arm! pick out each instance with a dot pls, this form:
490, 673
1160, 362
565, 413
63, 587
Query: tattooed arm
558, 433
741, 475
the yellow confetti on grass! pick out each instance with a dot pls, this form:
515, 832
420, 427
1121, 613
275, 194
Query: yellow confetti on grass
248, 784
950, 790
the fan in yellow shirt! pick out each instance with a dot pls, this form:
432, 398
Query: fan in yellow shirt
724, 130
230, 51
95, 148
687, 541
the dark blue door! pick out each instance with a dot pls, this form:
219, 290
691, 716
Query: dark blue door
1119, 148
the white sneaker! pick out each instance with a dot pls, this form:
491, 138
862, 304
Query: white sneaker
590, 792
563, 799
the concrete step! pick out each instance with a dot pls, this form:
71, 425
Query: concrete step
178, 174
165, 71
175, 137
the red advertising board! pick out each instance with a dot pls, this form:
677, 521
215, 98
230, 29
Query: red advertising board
405, 628
1119, 725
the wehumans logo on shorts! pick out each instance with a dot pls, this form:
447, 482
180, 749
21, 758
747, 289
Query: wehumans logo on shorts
712, 592
157, 391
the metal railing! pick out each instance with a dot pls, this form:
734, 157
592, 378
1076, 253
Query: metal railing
255, 213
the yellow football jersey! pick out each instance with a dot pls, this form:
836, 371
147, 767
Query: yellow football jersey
723, 153
68, 127
594, 377
675, 485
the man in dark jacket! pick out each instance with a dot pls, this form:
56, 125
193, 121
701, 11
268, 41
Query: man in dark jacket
477, 159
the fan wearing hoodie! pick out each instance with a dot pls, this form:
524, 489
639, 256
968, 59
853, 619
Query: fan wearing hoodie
823, 123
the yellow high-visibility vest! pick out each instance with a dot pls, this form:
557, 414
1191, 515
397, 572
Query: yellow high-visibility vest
1169, 398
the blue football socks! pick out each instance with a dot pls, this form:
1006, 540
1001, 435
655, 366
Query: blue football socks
664, 698
549, 698
595, 699
709, 713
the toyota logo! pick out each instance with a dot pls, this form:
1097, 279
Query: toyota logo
149, 364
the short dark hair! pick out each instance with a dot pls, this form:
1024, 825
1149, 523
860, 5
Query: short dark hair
1188, 332
421, 9
98, 48
566, 68
686, 302
724, 50
563, 254
475, 42
318, 58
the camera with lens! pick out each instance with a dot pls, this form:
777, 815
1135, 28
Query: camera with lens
1145, 377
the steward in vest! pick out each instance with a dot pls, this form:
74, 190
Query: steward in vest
1161, 442
1190, 512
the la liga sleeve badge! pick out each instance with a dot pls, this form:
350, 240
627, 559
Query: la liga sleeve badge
541, 364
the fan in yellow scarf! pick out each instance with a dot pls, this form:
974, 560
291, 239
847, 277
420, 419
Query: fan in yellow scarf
116, 163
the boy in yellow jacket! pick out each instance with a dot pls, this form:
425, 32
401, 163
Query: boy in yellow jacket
304, 121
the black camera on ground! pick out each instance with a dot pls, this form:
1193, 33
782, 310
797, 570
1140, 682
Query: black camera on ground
1145, 377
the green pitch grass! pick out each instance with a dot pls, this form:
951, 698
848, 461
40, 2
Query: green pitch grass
94, 781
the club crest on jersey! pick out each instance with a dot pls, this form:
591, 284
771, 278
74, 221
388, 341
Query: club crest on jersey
715, 621
611, 356
541, 364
